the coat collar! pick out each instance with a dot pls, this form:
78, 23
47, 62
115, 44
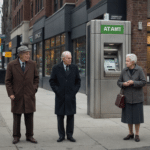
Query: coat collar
63, 70
134, 70
18, 66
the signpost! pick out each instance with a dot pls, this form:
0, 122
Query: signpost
2, 36
112, 29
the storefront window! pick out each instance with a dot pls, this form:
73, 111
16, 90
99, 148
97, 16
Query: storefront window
53, 54
148, 60
148, 38
80, 54
148, 25
47, 62
39, 58
34, 52
58, 40
57, 55
47, 44
52, 42
63, 39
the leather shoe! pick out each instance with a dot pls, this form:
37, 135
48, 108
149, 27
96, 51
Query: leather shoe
129, 136
60, 139
137, 139
31, 139
16, 140
71, 139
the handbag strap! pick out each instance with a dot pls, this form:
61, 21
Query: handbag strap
121, 91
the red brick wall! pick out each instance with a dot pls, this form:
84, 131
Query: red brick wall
38, 15
94, 2
15, 10
26, 10
137, 12
79, 2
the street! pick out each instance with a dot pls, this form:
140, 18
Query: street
95, 134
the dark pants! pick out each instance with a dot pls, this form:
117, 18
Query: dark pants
28, 118
69, 125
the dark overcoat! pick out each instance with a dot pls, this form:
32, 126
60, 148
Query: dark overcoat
22, 85
65, 88
133, 94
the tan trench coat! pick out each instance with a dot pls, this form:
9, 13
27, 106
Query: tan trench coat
22, 85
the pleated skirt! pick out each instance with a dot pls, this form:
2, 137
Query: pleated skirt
133, 113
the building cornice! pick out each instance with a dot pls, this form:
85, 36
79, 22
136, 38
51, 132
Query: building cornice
19, 26
60, 10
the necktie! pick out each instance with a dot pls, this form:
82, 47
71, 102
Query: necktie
67, 70
23, 68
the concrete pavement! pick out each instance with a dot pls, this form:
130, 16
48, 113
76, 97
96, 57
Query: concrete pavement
95, 134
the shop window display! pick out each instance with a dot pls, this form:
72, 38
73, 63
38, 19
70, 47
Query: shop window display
47, 44
80, 54
53, 51
39, 58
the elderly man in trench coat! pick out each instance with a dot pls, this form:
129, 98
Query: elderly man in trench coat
22, 83
65, 82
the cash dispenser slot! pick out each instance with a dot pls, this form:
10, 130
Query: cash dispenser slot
111, 62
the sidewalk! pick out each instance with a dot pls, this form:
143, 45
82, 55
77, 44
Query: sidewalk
90, 134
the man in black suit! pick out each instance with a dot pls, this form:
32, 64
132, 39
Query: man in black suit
65, 82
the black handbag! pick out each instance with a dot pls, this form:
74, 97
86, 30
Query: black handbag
120, 100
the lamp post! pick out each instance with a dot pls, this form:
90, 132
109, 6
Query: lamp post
2, 43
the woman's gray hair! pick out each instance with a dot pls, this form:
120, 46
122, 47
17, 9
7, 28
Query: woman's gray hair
132, 57
64, 54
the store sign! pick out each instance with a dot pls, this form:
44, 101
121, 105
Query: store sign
114, 17
112, 29
31, 39
148, 24
2, 36
8, 54
38, 35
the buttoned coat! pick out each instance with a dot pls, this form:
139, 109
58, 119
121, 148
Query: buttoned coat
134, 93
22, 85
65, 88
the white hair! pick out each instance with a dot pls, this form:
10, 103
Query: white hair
64, 54
132, 57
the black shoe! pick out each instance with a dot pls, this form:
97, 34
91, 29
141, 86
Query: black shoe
71, 139
32, 140
137, 139
15, 140
60, 139
129, 136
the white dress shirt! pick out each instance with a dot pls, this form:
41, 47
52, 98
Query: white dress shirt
22, 62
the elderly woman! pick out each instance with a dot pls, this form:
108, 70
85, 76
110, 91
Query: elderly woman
132, 80
22, 83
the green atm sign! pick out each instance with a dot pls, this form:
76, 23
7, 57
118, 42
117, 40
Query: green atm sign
112, 29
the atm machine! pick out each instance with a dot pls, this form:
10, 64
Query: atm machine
107, 43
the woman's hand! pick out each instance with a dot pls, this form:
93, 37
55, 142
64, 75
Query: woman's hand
131, 82
126, 84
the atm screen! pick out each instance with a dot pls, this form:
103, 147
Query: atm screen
109, 64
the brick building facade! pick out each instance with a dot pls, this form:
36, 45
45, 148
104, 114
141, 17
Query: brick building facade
50, 27
7, 22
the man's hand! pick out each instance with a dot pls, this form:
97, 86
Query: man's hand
131, 82
126, 84
12, 97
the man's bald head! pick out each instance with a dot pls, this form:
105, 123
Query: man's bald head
66, 57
